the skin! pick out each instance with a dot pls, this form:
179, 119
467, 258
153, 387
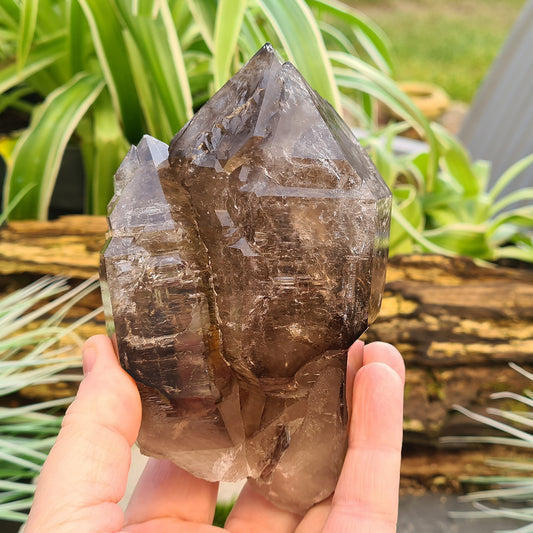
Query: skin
86, 472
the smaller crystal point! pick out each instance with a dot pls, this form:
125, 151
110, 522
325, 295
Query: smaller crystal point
241, 264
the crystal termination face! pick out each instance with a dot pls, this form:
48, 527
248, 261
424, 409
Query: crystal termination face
240, 265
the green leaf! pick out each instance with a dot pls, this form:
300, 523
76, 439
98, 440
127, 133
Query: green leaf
521, 216
457, 162
337, 36
463, 239
10, 14
42, 55
481, 169
157, 122
252, 37
371, 37
507, 233
77, 43
514, 252
408, 204
181, 16
300, 36
157, 42
520, 195
509, 175
367, 79
204, 13
15, 100
110, 147
230, 14
27, 30
108, 41
38, 153
417, 236
13, 203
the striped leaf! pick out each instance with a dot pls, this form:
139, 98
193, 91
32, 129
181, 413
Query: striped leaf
230, 14
252, 36
204, 13
77, 42
509, 175
42, 55
157, 42
28, 21
371, 37
300, 36
106, 31
363, 77
110, 147
39, 151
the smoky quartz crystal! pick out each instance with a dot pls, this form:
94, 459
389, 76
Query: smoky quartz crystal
241, 263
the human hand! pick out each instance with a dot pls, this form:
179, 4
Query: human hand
86, 472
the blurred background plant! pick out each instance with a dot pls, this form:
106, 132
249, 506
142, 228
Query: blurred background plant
37, 348
101, 74
454, 213
508, 496
109, 72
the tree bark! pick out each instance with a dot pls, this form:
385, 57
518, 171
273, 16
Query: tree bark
457, 324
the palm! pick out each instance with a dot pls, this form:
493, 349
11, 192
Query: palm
85, 474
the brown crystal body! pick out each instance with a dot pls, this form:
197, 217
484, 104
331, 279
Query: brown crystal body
240, 266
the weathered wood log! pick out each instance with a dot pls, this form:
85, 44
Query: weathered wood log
457, 324
68, 246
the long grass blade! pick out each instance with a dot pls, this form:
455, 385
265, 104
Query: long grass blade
41, 56
77, 37
28, 22
496, 424
110, 147
294, 24
204, 13
374, 41
106, 31
162, 61
229, 18
509, 175
38, 153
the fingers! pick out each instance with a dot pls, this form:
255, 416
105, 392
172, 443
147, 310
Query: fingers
86, 471
315, 518
366, 498
354, 363
253, 512
168, 495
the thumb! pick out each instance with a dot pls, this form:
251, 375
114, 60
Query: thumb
86, 471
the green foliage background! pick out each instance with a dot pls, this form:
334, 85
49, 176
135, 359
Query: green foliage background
108, 72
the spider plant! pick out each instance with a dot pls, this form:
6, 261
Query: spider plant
37, 347
108, 72
457, 212
513, 493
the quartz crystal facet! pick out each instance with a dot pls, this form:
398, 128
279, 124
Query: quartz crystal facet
241, 264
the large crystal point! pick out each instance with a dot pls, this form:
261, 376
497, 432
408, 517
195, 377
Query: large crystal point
240, 266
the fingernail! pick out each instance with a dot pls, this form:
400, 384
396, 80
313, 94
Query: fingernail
89, 358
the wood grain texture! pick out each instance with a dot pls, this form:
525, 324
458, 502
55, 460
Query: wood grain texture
457, 324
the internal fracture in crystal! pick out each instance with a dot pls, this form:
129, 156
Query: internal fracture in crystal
241, 264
